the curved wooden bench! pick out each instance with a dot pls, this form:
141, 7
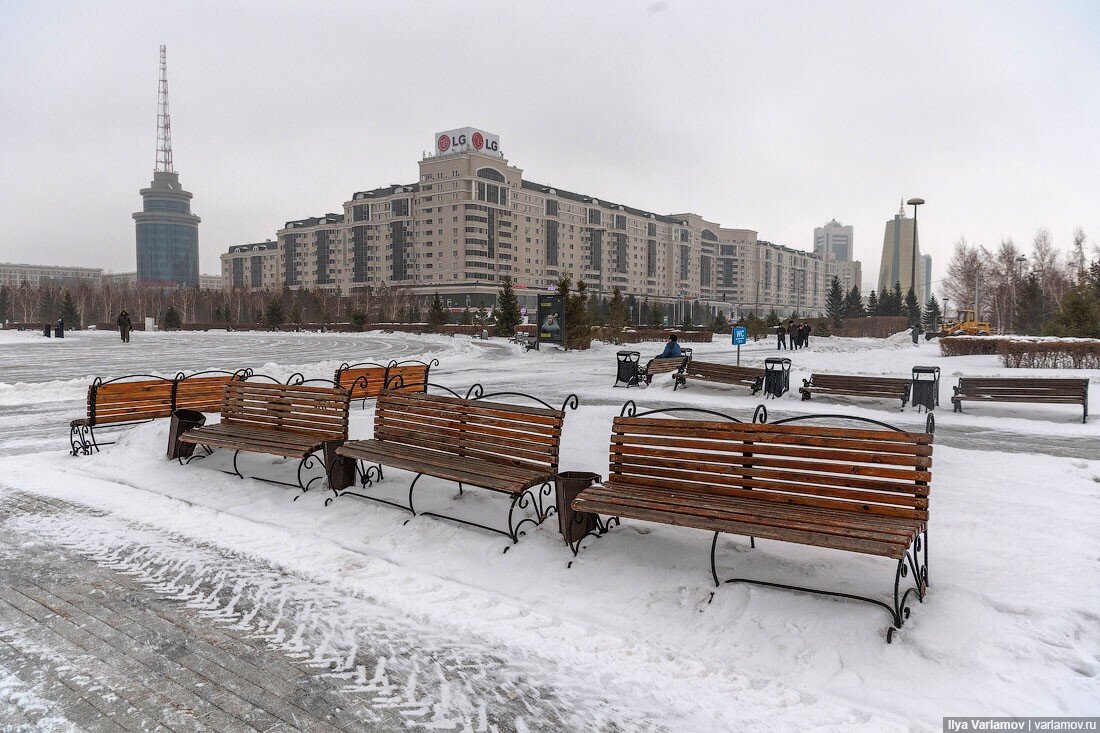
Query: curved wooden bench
1049, 390
474, 442
856, 385
738, 376
367, 379
135, 399
855, 489
289, 420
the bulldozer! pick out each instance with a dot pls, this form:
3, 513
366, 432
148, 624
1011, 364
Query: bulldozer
964, 324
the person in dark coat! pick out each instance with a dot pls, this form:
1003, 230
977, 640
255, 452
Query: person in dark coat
792, 333
672, 348
915, 333
125, 325
805, 328
780, 337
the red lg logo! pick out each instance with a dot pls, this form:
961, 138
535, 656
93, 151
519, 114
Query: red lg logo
443, 143
479, 140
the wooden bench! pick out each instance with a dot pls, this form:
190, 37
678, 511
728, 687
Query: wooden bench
364, 380
367, 379
739, 376
472, 441
139, 398
289, 420
408, 376
855, 489
657, 366
856, 385
1049, 390
843, 488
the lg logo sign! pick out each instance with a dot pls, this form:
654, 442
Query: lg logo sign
466, 139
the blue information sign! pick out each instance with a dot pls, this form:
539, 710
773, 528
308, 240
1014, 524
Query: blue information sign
740, 335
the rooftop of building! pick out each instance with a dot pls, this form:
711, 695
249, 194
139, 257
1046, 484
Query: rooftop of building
51, 267
254, 247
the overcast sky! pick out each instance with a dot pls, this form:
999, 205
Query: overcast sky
773, 116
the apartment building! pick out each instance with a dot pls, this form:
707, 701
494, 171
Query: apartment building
14, 275
471, 218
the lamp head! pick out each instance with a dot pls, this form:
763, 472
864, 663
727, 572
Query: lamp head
915, 202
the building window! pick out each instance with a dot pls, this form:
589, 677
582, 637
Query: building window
594, 217
400, 207
491, 174
551, 207
551, 243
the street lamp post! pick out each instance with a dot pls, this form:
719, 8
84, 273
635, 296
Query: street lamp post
1020, 260
914, 202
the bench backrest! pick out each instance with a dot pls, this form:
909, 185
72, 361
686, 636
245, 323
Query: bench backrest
364, 380
858, 381
201, 392
723, 371
1037, 387
320, 412
408, 376
132, 400
664, 366
853, 470
496, 432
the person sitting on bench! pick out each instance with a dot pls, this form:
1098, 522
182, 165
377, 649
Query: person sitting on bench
672, 348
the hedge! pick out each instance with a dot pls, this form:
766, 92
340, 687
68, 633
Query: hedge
1051, 354
970, 345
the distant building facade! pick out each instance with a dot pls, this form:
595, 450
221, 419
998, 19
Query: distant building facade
254, 266
471, 218
836, 239
210, 282
898, 259
850, 274
15, 275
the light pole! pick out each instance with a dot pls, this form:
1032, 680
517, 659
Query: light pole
1020, 260
914, 202
946, 313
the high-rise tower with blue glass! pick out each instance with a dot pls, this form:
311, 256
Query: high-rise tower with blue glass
167, 231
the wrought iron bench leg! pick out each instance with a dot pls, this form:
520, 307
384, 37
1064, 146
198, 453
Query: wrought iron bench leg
898, 609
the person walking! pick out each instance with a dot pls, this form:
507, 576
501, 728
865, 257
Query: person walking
125, 325
915, 334
805, 327
792, 334
780, 337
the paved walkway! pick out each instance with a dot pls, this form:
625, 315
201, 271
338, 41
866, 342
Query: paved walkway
110, 626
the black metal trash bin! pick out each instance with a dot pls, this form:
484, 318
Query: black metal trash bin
924, 388
567, 484
341, 469
46, 330
183, 421
777, 376
628, 371
59, 331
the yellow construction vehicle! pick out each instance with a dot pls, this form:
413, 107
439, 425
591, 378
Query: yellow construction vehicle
965, 324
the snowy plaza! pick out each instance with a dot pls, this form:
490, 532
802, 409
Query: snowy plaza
358, 616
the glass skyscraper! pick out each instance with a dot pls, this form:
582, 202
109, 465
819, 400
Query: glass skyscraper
167, 235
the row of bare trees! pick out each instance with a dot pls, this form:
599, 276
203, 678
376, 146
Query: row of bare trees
102, 302
1018, 291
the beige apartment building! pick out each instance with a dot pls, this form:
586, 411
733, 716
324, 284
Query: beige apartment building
15, 275
472, 218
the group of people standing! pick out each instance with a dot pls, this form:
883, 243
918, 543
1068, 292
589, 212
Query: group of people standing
799, 334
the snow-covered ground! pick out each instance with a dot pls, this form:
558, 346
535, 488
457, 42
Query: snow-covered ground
1011, 624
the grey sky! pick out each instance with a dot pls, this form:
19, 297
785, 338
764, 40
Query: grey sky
774, 116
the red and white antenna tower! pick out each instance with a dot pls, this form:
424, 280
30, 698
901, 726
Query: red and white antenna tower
164, 122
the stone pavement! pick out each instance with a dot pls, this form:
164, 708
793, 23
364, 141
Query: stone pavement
106, 625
